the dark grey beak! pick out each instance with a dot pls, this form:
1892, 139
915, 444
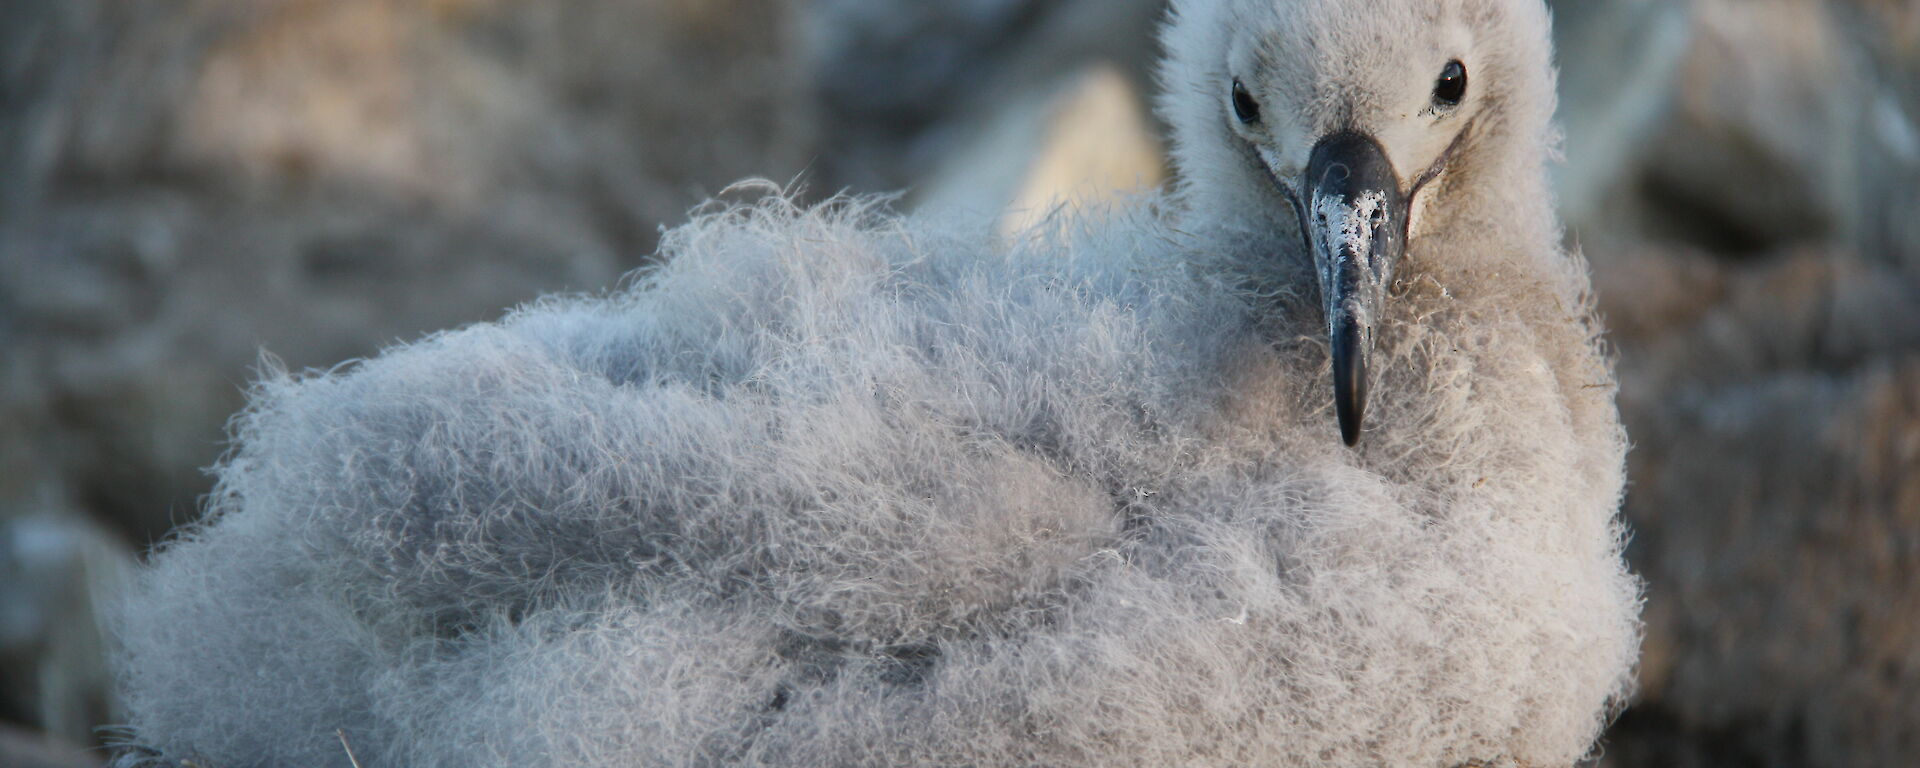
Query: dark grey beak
1356, 225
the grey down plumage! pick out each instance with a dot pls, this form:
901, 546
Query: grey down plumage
832, 486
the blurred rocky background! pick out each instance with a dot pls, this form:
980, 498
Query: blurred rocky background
186, 183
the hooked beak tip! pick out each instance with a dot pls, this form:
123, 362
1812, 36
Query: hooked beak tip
1349, 382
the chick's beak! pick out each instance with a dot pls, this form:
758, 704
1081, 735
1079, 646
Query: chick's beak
1356, 224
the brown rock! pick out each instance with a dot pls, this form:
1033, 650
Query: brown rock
1775, 505
24, 749
189, 182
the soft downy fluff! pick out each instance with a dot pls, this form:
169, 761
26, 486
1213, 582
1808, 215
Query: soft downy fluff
833, 488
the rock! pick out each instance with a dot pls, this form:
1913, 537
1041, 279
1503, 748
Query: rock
903, 86
1085, 140
1775, 506
1618, 66
198, 180
21, 749
1794, 121
56, 572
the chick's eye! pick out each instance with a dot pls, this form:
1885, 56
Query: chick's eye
1452, 86
1244, 107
